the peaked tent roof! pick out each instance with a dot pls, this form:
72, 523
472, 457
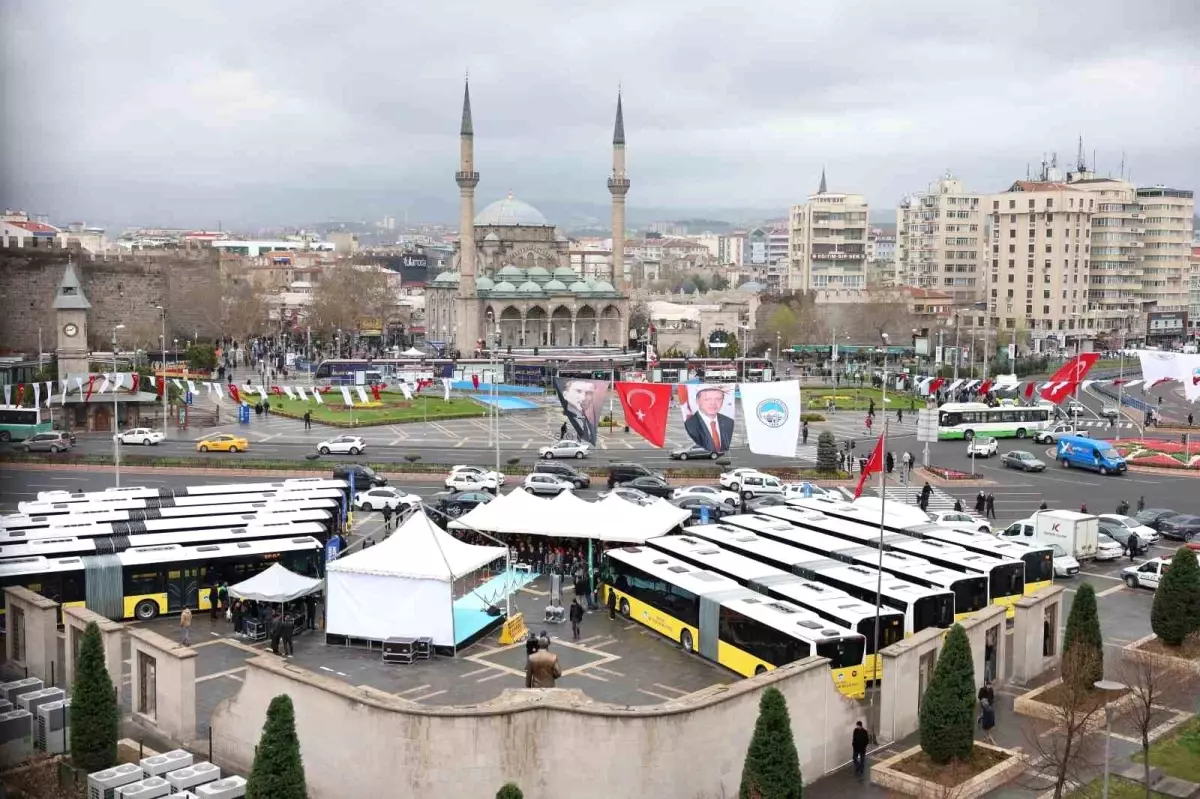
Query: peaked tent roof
275, 584
419, 550
69, 296
567, 516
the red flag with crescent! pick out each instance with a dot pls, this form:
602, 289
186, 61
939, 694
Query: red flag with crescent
936, 384
20, 393
233, 392
873, 465
987, 384
375, 392
162, 385
136, 378
646, 406
1029, 389
91, 385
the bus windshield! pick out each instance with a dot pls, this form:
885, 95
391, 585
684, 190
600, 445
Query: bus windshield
970, 594
891, 630
843, 652
1008, 579
933, 611
1039, 566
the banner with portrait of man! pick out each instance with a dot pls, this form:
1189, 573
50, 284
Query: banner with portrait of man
582, 404
708, 412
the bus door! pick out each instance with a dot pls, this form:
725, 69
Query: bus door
183, 588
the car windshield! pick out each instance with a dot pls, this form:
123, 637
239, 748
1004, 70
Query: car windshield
1059, 552
1110, 453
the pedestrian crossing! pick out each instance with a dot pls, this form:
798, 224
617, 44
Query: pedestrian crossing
1105, 423
939, 500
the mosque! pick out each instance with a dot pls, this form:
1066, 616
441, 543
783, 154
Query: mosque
513, 274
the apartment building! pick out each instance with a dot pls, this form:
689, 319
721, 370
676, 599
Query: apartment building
726, 250
1040, 264
1168, 220
941, 241
827, 240
1194, 292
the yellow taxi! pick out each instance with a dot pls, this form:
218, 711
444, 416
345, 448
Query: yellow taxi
222, 442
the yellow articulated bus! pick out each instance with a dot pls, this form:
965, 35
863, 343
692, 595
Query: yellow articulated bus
742, 630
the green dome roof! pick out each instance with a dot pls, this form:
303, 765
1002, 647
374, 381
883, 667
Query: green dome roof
529, 287
566, 273
555, 285
484, 283
504, 286
511, 272
534, 272
579, 287
446, 277
603, 286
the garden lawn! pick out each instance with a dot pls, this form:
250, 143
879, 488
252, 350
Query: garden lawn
395, 409
1117, 789
848, 398
1179, 753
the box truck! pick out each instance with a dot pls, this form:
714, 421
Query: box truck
1077, 534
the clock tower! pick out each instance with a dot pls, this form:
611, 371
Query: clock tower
71, 311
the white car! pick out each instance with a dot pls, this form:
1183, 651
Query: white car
1056, 431
1145, 575
497, 476
805, 490
473, 481
1107, 548
757, 484
1147, 535
1110, 412
1064, 565
342, 445
537, 483
982, 446
141, 435
565, 449
721, 495
958, 520
380, 498
733, 478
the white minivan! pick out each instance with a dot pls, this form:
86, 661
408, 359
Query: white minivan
759, 485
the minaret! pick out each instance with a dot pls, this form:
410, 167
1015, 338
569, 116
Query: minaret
822, 188
466, 314
618, 186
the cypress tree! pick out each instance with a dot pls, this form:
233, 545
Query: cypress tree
1083, 630
1176, 611
510, 791
94, 718
826, 453
948, 709
277, 772
772, 767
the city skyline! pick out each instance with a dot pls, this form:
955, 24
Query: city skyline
286, 117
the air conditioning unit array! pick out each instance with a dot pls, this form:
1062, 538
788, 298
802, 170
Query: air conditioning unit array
192, 776
16, 737
104, 784
5, 706
149, 788
34, 699
11, 690
228, 788
159, 765
53, 727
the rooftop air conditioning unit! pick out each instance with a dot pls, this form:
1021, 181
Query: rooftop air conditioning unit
182, 795
53, 727
16, 737
192, 776
5, 706
104, 784
158, 765
35, 699
11, 690
228, 788
149, 788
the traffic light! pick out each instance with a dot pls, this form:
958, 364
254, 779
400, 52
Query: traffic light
1183, 439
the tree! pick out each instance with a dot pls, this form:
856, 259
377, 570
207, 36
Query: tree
732, 350
510, 791
94, 718
1176, 610
278, 772
1149, 677
772, 767
702, 350
1083, 631
244, 308
719, 282
783, 323
700, 283
639, 317
1063, 757
948, 709
202, 357
346, 294
826, 453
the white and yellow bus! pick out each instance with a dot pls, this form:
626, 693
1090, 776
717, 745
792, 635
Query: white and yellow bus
735, 627
965, 420
51, 508
63, 497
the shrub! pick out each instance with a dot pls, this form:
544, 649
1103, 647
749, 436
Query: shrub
412, 458
948, 710
277, 772
94, 719
1176, 611
510, 791
1083, 630
826, 452
812, 417
772, 767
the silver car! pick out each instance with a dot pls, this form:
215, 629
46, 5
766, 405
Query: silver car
1020, 459
54, 441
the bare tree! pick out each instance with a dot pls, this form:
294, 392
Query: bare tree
244, 307
1150, 678
1063, 755
346, 294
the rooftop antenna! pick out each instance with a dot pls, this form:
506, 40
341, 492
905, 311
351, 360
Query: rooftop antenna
1080, 164
1122, 165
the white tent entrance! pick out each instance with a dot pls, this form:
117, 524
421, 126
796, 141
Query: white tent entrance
276, 584
419, 582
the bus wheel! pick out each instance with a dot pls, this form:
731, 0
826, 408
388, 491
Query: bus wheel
624, 608
760, 670
1020, 432
5, 436
685, 638
969, 435
145, 610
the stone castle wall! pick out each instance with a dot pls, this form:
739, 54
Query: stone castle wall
122, 289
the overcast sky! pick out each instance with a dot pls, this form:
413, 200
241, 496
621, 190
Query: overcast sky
274, 112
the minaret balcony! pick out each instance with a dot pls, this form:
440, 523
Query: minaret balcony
618, 186
466, 180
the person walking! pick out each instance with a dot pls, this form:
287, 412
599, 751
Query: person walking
869, 422
987, 720
907, 460
1083, 507
926, 493
890, 463
858, 745
958, 506
986, 692
387, 518
1190, 418
990, 506
288, 626
214, 600
981, 504
275, 627
576, 618
541, 668
899, 416
804, 433
612, 604
562, 431
223, 595
185, 627
1043, 506
1141, 506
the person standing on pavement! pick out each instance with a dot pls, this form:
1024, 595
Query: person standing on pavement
890, 463
185, 627
576, 618
275, 626
308, 420
923, 500
858, 745
987, 693
987, 720
612, 604
287, 623
990, 506
1141, 506
958, 508
387, 518
542, 669
804, 432
981, 504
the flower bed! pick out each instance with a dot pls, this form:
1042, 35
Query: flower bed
951, 474
1159, 454
911, 773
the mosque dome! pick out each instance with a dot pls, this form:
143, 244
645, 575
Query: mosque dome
539, 274
529, 287
566, 273
603, 286
485, 284
446, 277
504, 286
513, 273
555, 285
510, 212
579, 287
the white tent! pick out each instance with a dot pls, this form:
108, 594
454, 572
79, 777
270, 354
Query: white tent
404, 586
275, 584
567, 516
413, 352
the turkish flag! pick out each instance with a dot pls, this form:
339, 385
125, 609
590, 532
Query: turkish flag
162, 385
91, 385
233, 392
936, 384
475, 381
20, 393
1057, 392
1029, 389
874, 464
1075, 369
984, 388
646, 407
276, 390
375, 392
136, 377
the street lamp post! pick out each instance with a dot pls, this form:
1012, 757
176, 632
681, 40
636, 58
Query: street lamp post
1108, 685
957, 349
882, 520
162, 314
116, 431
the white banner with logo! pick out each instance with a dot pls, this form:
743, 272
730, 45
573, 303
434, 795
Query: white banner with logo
772, 414
1158, 366
1189, 374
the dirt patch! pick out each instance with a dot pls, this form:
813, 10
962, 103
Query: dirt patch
952, 774
1090, 702
44, 778
1189, 651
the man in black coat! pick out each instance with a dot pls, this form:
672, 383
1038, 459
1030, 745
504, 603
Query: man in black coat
287, 630
858, 745
276, 630
576, 618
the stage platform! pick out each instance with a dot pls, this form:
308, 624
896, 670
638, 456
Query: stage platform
471, 619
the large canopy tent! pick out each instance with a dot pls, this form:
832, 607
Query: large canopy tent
275, 584
567, 516
404, 586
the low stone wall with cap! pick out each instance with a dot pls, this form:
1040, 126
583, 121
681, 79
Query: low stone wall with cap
76, 621
31, 642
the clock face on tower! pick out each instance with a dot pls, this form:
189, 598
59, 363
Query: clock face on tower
70, 330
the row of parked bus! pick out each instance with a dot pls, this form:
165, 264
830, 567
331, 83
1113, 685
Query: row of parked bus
757, 591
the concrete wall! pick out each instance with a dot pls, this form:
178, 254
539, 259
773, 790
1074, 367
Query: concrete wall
362, 742
1029, 658
38, 637
76, 621
903, 677
173, 692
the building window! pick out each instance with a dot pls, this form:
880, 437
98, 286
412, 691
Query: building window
17, 630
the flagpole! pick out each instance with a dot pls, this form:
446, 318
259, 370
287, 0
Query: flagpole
879, 566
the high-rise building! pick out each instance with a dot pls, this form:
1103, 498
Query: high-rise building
827, 239
1167, 215
941, 241
1041, 250
1194, 293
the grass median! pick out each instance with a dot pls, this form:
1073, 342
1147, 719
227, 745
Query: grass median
392, 408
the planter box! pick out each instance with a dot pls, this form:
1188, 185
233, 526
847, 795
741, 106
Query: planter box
1027, 704
885, 776
1188, 664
